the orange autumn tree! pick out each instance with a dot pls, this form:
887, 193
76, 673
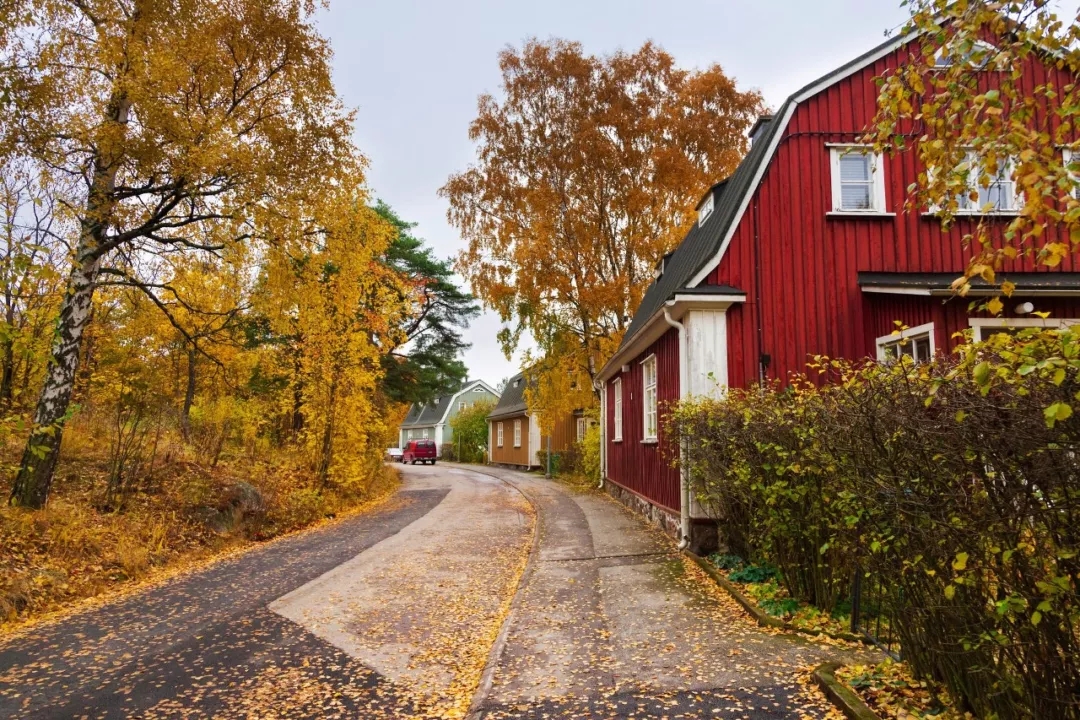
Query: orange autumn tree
588, 172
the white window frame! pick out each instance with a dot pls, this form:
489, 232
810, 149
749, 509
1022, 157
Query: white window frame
582, 426
977, 324
1067, 156
877, 180
617, 434
478, 389
650, 422
907, 334
517, 433
971, 158
461, 405
706, 209
410, 435
499, 433
941, 55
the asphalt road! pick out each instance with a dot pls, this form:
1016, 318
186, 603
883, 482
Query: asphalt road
183, 648
446, 598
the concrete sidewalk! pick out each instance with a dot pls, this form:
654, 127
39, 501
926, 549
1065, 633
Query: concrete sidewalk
612, 622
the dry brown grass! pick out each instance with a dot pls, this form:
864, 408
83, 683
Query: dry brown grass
182, 513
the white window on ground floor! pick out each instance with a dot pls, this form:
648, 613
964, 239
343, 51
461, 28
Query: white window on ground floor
916, 343
517, 433
983, 328
499, 433
648, 387
618, 410
582, 428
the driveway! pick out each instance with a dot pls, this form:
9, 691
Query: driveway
474, 590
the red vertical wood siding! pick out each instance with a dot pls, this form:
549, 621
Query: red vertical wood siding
645, 469
810, 301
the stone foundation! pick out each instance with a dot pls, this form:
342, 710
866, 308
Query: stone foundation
703, 533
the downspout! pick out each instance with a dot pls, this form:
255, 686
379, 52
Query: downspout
684, 473
601, 388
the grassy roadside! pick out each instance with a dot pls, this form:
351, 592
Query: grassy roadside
75, 550
892, 691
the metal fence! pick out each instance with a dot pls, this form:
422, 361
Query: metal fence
873, 612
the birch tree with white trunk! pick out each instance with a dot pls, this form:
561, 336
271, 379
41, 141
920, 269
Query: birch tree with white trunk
190, 125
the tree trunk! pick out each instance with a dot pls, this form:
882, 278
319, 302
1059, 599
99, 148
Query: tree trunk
43, 448
326, 451
7, 371
189, 394
7, 351
297, 421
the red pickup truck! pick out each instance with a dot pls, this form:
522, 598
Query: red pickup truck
419, 451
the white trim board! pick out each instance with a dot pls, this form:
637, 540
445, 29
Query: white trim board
977, 324
823, 84
656, 326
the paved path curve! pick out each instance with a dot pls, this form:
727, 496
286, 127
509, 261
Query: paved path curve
395, 613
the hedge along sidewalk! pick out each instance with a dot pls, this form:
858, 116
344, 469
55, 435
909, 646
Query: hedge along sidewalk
759, 615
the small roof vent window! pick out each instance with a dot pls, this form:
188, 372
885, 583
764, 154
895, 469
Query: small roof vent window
662, 265
977, 54
517, 382
760, 125
705, 210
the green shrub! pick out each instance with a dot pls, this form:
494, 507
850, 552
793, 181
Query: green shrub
954, 484
753, 574
589, 450
726, 561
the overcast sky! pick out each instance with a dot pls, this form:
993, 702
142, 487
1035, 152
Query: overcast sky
413, 70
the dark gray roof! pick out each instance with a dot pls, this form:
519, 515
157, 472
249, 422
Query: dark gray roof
703, 242
512, 400
427, 414
941, 283
432, 413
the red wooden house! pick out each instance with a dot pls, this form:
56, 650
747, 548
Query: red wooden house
805, 249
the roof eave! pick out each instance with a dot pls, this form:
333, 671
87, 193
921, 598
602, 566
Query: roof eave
654, 329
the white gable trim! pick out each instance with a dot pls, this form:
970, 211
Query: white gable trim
825, 83
462, 391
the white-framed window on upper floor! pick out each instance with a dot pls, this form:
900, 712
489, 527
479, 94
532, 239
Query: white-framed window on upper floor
461, 405
990, 193
517, 433
499, 434
978, 55
617, 390
858, 180
648, 397
983, 328
916, 343
1071, 159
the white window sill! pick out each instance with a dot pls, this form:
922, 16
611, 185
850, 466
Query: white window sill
860, 214
976, 213
616, 440
650, 441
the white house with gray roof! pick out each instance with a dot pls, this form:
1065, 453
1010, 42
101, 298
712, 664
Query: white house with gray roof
432, 420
